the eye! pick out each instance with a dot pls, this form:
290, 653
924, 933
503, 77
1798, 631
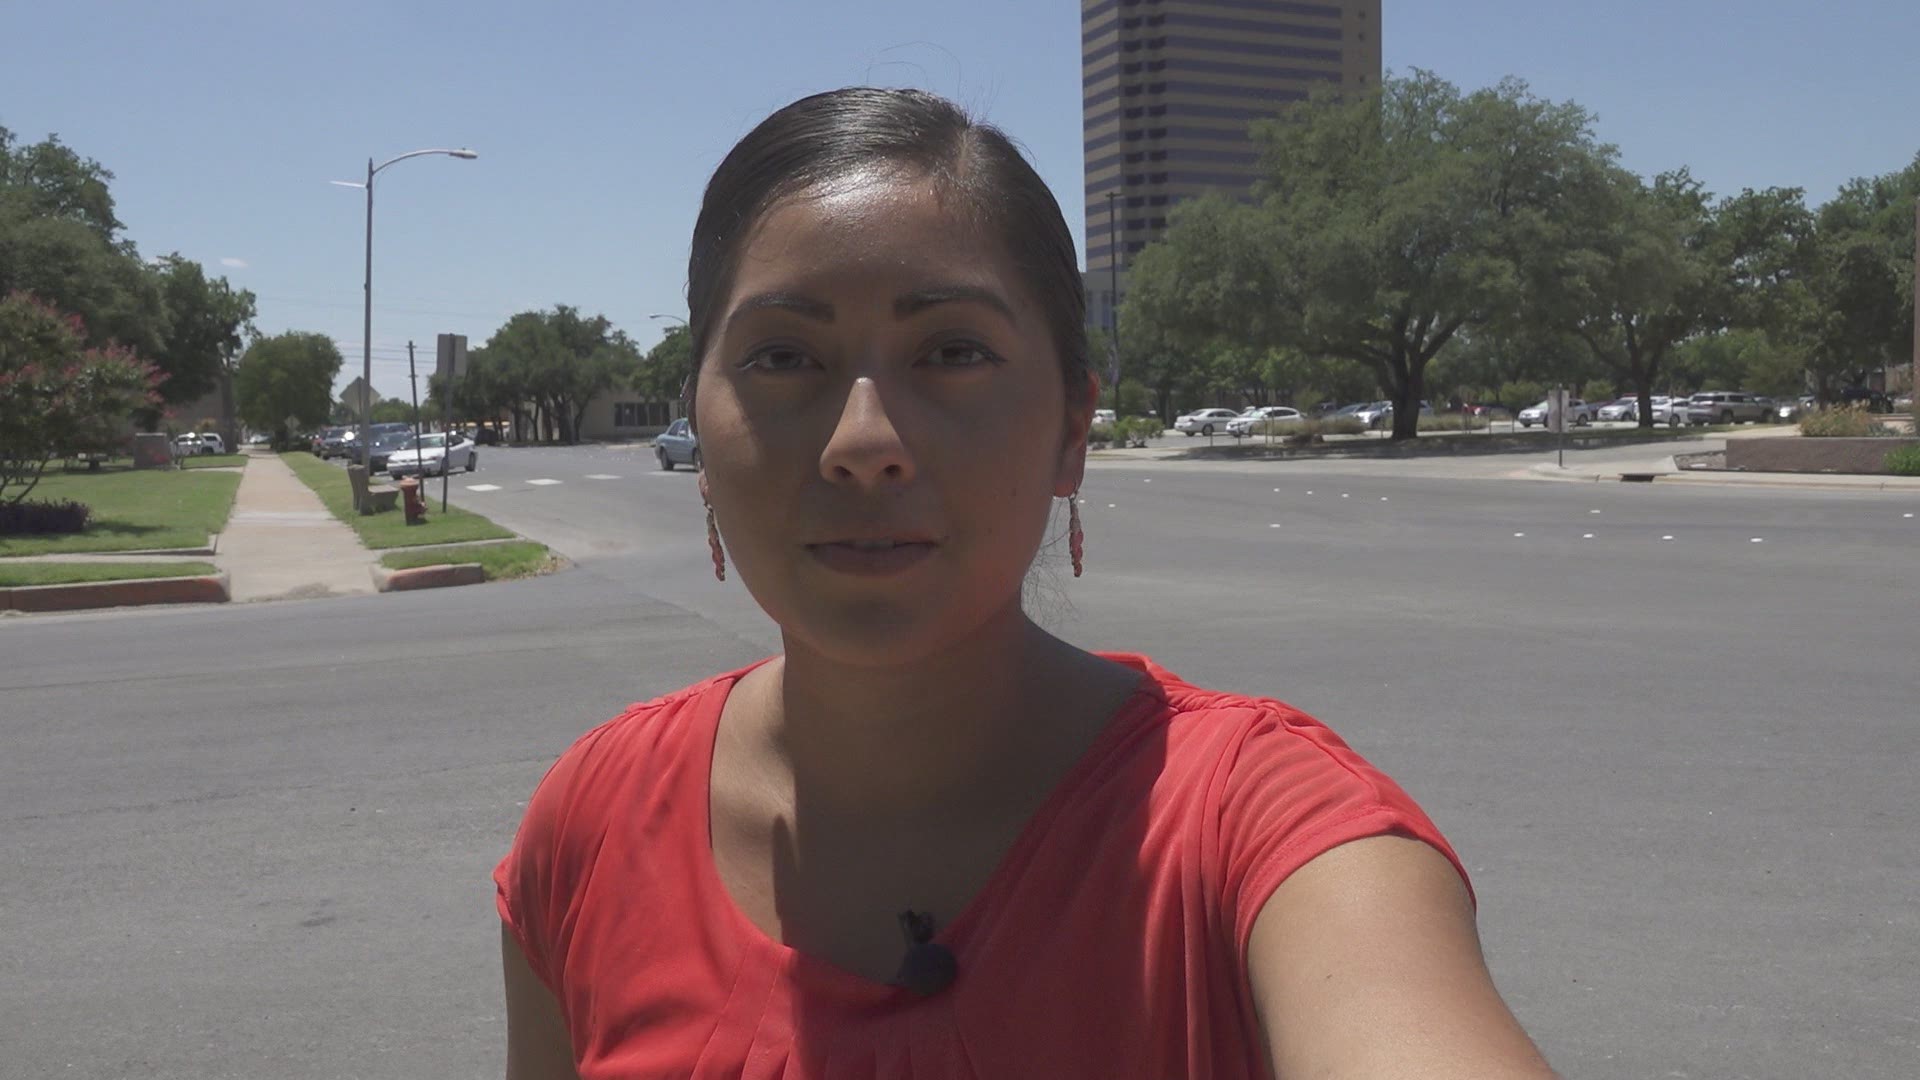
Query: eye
960, 354
776, 359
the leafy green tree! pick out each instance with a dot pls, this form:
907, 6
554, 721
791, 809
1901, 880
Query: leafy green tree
285, 382
208, 322
1645, 277
57, 394
560, 360
663, 372
392, 411
1389, 224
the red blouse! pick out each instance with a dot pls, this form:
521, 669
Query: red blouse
1109, 942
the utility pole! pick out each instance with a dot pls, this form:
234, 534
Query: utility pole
413, 377
1113, 293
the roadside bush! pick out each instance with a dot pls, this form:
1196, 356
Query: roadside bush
1132, 429
1453, 422
1904, 461
1101, 433
1301, 432
42, 517
1850, 422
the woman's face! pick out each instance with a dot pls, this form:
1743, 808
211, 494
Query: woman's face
883, 423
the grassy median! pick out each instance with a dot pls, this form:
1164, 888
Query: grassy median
23, 574
389, 529
133, 510
511, 560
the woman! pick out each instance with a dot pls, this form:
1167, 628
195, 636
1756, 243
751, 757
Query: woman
930, 839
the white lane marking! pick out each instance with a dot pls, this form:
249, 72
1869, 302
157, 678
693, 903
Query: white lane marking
1757, 540
1519, 534
1109, 506
1146, 480
542, 483
483, 487
1275, 525
601, 476
1586, 536
1276, 491
1383, 498
1593, 511
1666, 538
1344, 495
1902, 515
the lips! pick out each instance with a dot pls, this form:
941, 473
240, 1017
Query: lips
873, 556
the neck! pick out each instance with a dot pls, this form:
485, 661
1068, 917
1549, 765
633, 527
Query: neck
920, 735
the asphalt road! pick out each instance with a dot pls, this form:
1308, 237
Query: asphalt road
255, 841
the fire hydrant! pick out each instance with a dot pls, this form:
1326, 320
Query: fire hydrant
416, 506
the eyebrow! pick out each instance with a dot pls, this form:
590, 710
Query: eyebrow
904, 306
920, 300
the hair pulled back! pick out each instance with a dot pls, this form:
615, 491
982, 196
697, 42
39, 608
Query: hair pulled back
826, 136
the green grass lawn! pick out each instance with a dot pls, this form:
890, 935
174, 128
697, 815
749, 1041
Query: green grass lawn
20, 574
133, 510
520, 559
214, 461
389, 530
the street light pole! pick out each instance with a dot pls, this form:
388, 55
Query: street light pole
366, 321
1113, 295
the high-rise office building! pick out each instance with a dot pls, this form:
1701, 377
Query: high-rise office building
1169, 88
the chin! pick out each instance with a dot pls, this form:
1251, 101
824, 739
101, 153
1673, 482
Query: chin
875, 633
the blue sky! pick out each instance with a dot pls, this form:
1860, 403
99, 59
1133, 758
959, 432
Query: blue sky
597, 123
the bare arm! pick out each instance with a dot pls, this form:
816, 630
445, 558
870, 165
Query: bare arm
1365, 965
538, 1047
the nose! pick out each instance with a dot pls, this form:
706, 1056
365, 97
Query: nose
865, 449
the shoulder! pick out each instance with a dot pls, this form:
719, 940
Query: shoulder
1275, 789
642, 737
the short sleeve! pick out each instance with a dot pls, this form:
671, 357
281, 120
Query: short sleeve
537, 880
1293, 791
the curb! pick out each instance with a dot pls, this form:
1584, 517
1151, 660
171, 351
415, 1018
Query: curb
428, 577
135, 592
1723, 478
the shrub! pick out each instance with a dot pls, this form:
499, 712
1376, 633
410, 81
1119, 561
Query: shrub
1904, 461
27, 518
1101, 433
1452, 422
1850, 422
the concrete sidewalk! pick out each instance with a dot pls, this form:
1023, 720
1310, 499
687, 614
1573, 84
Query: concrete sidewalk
282, 544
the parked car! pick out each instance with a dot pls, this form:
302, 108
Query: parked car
384, 444
334, 442
1625, 408
1104, 416
1724, 407
433, 455
1486, 408
1578, 413
1789, 411
1243, 424
192, 445
1874, 400
1380, 413
677, 445
1204, 422
1671, 411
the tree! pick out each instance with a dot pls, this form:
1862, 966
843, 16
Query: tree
286, 381
59, 239
663, 372
1389, 224
560, 360
207, 324
1646, 275
392, 411
57, 394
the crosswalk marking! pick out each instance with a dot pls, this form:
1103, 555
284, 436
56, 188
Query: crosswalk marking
483, 487
542, 483
601, 476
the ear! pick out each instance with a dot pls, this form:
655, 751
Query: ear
1072, 466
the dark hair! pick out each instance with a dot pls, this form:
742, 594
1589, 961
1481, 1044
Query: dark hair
825, 136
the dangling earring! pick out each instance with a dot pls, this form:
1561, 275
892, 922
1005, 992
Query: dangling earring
713, 543
1076, 539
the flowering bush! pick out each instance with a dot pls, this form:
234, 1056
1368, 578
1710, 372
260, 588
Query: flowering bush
57, 396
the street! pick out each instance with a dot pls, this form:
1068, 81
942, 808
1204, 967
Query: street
1670, 729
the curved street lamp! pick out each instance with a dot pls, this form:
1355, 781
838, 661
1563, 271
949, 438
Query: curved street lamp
366, 338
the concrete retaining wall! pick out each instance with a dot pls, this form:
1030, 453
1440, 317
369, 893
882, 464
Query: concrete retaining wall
1813, 455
